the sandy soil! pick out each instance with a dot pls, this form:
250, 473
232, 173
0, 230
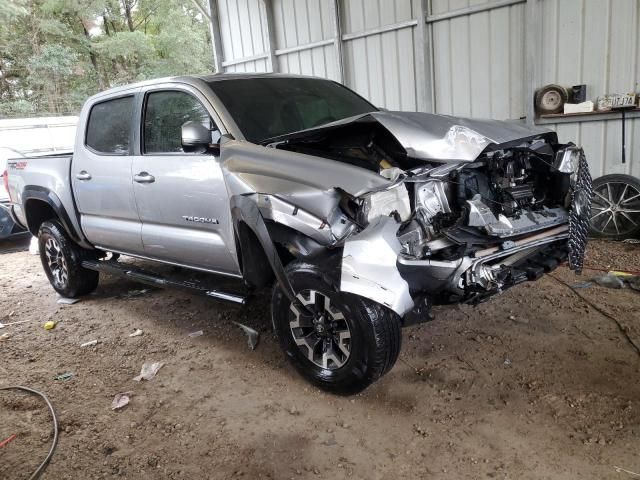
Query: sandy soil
534, 384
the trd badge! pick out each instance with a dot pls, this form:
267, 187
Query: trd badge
191, 218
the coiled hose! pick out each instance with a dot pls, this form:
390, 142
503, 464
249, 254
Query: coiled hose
44, 464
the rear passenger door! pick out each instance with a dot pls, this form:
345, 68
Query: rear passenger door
182, 198
101, 175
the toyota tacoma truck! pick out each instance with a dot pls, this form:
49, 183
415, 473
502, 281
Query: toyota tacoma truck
357, 216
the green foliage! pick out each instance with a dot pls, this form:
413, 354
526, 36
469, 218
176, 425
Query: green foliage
56, 53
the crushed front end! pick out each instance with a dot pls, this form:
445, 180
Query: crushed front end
465, 231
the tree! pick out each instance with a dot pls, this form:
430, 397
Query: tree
56, 53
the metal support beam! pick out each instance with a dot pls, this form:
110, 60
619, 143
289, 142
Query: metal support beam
483, 7
336, 13
214, 28
532, 55
272, 61
424, 60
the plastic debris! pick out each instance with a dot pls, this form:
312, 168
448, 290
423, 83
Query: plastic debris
609, 281
50, 325
2, 325
135, 293
121, 400
90, 343
148, 371
253, 337
34, 247
4, 442
137, 333
5, 336
63, 376
507, 361
67, 301
199, 333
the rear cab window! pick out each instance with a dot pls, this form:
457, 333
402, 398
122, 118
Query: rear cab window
109, 126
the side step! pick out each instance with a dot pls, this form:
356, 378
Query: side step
122, 270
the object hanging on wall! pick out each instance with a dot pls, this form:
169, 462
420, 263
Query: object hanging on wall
578, 94
551, 98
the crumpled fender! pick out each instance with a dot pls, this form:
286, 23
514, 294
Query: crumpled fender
369, 266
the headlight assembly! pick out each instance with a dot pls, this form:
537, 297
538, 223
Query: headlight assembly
568, 159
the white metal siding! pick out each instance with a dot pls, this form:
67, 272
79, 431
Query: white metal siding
478, 57
597, 43
303, 22
479, 61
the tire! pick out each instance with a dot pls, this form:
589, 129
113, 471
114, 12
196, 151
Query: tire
615, 207
373, 340
62, 259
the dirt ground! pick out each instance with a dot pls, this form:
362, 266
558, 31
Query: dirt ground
533, 384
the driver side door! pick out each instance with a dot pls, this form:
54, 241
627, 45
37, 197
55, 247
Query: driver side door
181, 197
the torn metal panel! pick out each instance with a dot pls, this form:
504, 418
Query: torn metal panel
369, 266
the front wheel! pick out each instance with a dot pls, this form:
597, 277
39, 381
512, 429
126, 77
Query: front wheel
344, 342
62, 262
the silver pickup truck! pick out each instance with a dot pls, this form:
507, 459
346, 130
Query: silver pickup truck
359, 217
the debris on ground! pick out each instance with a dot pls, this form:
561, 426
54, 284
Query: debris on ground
135, 293
121, 400
50, 325
4, 442
582, 285
2, 325
148, 371
67, 301
253, 337
198, 333
609, 281
136, 333
34, 247
5, 336
90, 343
63, 376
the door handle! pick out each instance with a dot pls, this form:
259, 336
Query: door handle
83, 175
144, 177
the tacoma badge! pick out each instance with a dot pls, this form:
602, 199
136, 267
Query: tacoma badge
191, 218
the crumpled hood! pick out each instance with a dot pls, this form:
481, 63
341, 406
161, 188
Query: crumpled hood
427, 136
442, 137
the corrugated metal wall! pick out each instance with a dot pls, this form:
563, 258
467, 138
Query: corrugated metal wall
381, 66
303, 22
479, 60
597, 43
477, 57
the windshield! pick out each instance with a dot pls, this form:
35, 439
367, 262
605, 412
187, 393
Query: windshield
269, 107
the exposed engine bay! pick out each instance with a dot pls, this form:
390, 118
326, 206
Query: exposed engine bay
462, 217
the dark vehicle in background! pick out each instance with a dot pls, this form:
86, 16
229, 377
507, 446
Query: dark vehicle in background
356, 217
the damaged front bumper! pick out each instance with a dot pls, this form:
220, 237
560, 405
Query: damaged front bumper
374, 267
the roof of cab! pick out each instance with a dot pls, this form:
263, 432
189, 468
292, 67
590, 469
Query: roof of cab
195, 80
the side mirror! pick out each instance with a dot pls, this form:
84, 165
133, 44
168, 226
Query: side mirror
197, 138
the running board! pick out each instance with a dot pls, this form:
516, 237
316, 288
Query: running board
121, 270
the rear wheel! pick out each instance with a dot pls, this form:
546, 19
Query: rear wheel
342, 342
62, 262
615, 207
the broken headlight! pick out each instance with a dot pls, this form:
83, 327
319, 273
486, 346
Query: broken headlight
568, 159
385, 203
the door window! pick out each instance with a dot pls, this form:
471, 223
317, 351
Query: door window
109, 126
165, 113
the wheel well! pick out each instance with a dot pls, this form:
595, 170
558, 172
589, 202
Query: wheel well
256, 269
37, 212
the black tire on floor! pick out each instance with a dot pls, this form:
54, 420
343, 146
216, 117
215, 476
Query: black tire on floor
62, 259
375, 332
615, 197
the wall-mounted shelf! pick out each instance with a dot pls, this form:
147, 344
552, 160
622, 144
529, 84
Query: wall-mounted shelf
585, 117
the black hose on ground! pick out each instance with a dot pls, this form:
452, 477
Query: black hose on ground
44, 464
